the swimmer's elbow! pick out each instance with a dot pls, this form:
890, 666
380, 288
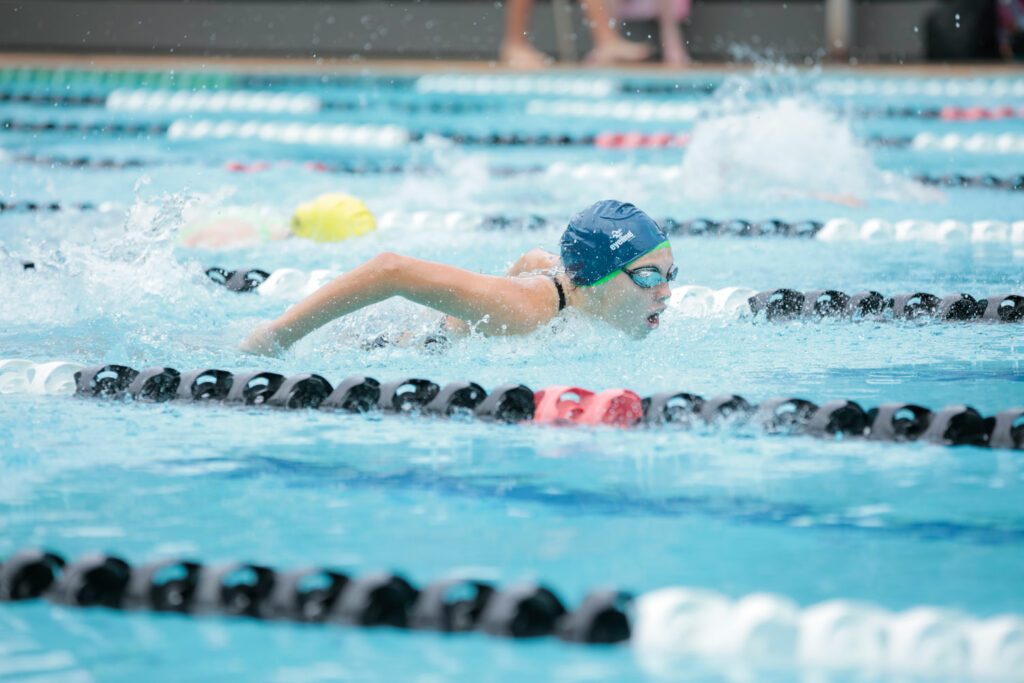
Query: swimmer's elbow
385, 266
386, 263
389, 274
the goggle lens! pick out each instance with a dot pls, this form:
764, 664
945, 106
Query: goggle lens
650, 276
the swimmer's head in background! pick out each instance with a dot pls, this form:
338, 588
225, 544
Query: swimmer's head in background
606, 236
332, 217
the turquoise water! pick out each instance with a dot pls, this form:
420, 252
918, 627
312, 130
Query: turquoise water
737, 512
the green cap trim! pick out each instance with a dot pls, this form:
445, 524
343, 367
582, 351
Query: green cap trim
609, 276
605, 279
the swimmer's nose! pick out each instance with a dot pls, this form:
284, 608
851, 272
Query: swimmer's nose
663, 292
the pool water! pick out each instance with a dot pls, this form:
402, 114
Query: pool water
733, 511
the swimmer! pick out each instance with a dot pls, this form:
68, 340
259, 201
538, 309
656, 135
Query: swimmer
615, 265
328, 218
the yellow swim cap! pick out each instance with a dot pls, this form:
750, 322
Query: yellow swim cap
332, 217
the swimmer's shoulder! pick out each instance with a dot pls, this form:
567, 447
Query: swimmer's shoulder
535, 262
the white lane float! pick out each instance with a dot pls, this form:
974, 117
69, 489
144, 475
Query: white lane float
877, 230
18, 376
674, 626
284, 283
14, 375
838, 230
843, 634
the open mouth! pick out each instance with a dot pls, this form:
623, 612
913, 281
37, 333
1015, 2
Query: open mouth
653, 320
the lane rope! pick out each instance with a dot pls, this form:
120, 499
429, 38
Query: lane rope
827, 230
987, 181
508, 84
393, 136
9, 206
279, 102
978, 143
954, 425
315, 595
457, 84
346, 166
783, 305
932, 87
345, 135
662, 626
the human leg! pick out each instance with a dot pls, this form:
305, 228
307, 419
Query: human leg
516, 50
609, 46
673, 49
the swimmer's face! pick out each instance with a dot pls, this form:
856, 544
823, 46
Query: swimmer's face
633, 309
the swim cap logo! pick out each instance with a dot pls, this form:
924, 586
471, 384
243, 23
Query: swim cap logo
620, 239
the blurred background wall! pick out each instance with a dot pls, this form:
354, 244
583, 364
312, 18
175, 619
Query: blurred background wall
880, 30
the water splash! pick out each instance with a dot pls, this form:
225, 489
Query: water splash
766, 136
105, 272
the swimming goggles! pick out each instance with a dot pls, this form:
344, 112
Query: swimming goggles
649, 276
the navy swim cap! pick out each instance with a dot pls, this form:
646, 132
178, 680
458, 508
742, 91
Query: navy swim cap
605, 237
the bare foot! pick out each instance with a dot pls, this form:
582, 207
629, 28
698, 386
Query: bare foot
618, 52
523, 56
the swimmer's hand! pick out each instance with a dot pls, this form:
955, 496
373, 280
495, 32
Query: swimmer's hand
262, 342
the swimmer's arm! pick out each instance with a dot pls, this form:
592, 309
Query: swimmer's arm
511, 305
532, 261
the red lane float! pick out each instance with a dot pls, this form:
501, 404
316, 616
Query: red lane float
951, 113
633, 140
238, 167
573, 405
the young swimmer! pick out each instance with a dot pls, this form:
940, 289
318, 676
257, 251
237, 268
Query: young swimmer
615, 265
328, 218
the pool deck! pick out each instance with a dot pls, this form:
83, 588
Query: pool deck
116, 62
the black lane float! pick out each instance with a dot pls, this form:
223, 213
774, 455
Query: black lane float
314, 595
